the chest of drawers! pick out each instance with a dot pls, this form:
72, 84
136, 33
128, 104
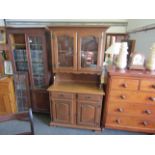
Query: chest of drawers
130, 101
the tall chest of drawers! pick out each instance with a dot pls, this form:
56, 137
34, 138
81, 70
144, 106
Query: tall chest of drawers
130, 101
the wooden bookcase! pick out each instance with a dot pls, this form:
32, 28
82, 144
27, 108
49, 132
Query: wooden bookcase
29, 54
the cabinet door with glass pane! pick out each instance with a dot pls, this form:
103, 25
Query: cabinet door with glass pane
38, 60
90, 47
65, 50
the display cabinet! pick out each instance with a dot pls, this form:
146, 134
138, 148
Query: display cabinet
78, 49
29, 54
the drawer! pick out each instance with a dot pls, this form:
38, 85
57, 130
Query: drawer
132, 97
123, 96
124, 84
147, 85
129, 121
62, 95
89, 97
131, 109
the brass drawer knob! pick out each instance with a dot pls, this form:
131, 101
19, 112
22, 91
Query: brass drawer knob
145, 123
124, 85
120, 110
148, 111
123, 97
118, 121
152, 98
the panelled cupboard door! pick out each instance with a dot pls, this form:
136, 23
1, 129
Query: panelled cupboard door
37, 60
63, 111
88, 114
90, 47
64, 50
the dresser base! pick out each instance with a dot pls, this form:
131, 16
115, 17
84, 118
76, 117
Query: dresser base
76, 126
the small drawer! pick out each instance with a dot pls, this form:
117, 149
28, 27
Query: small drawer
147, 85
124, 84
89, 97
61, 95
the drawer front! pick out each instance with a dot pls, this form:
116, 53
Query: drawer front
147, 85
124, 84
129, 121
132, 97
62, 95
122, 96
89, 97
131, 109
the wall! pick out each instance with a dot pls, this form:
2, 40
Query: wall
135, 24
140, 31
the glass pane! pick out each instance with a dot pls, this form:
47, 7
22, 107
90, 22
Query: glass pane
89, 50
65, 51
20, 60
38, 68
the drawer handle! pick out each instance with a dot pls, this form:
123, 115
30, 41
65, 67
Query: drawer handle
123, 97
61, 95
88, 97
153, 86
152, 98
118, 121
145, 123
124, 85
120, 110
148, 112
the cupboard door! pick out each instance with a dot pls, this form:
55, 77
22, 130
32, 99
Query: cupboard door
65, 50
90, 46
63, 111
88, 114
38, 60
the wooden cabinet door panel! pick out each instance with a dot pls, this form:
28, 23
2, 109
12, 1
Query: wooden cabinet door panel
65, 50
5, 105
63, 111
88, 114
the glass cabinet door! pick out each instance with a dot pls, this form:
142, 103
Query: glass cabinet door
37, 55
65, 47
89, 49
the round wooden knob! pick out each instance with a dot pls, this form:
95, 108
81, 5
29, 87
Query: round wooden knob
148, 111
122, 96
145, 123
120, 110
153, 86
125, 85
152, 98
118, 121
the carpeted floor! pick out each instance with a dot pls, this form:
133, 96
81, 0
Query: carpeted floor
41, 125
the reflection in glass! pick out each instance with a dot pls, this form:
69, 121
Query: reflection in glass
89, 50
38, 70
65, 51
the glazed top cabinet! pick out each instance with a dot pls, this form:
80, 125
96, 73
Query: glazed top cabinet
29, 54
77, 49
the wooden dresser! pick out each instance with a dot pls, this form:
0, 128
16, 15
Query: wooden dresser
76, 103
7, 96
130, 101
